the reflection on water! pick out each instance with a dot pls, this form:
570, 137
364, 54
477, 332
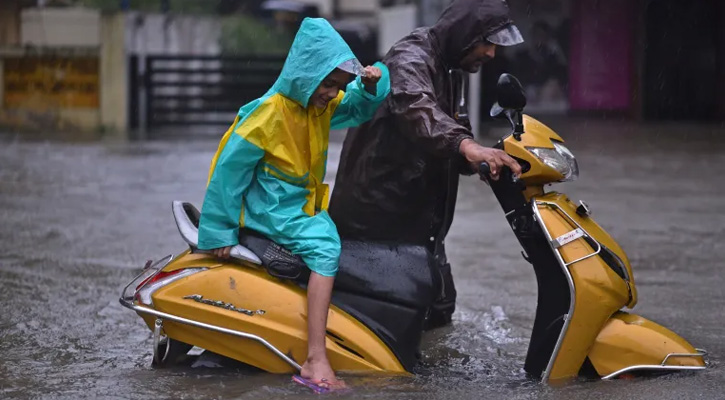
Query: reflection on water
79, 220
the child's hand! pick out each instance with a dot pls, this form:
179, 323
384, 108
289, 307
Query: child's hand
372, 75
222, 252
371, 78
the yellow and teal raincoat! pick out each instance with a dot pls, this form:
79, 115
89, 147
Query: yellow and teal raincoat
267, 174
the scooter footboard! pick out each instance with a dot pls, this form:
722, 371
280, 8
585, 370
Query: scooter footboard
630, 343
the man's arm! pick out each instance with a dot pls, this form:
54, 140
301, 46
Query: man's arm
475, 154
413, 102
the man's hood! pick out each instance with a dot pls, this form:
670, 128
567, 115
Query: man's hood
316, 51
466, 22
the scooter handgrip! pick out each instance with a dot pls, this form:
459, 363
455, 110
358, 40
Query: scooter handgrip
484, 170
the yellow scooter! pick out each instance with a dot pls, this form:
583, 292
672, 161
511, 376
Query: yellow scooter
253, 308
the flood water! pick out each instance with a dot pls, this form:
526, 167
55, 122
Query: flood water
79, 221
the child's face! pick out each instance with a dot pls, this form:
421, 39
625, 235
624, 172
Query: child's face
330, 87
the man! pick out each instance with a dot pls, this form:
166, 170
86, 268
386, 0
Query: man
398, 174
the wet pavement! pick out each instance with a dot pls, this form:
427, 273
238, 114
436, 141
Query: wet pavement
79, 220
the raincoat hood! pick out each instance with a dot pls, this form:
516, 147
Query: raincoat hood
466, 22
316, 51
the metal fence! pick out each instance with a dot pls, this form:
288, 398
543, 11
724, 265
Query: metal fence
184, 90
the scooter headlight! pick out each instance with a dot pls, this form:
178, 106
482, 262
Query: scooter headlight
558, 158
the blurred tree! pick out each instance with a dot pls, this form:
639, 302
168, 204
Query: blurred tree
241, 34
236, 6
176, 6
245, 35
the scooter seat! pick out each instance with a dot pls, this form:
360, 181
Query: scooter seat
278, 261
401, 274
395, 273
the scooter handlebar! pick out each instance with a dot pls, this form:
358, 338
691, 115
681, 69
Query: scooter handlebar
484, 171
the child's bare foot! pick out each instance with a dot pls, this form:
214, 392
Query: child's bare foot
319, 371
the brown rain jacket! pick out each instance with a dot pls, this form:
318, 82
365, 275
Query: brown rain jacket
398, 173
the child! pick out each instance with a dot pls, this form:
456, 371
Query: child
268, 172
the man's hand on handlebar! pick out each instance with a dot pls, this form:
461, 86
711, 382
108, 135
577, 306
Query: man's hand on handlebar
496, 159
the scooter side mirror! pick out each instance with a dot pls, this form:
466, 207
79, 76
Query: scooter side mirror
515, 118
510, 93
496, 110
511, 102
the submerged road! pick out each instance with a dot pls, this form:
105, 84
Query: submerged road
79, 221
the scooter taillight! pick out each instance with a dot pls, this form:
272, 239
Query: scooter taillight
157, 277
159, 280
149, 271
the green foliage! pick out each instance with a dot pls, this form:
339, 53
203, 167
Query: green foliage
244, 35
241, 34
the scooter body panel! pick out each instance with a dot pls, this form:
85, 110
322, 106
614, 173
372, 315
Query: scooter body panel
568, 211
597, 291
277, 313
537, 135
628, 342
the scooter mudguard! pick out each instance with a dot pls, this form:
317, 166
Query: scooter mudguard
629, 343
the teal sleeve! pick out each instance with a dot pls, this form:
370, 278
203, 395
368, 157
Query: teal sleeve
358, 106
222, 207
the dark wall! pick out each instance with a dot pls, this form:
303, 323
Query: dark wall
683, 59
721, 61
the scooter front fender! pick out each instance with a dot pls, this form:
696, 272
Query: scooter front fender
629, 343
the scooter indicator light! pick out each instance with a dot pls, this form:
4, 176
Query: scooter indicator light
583, 209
